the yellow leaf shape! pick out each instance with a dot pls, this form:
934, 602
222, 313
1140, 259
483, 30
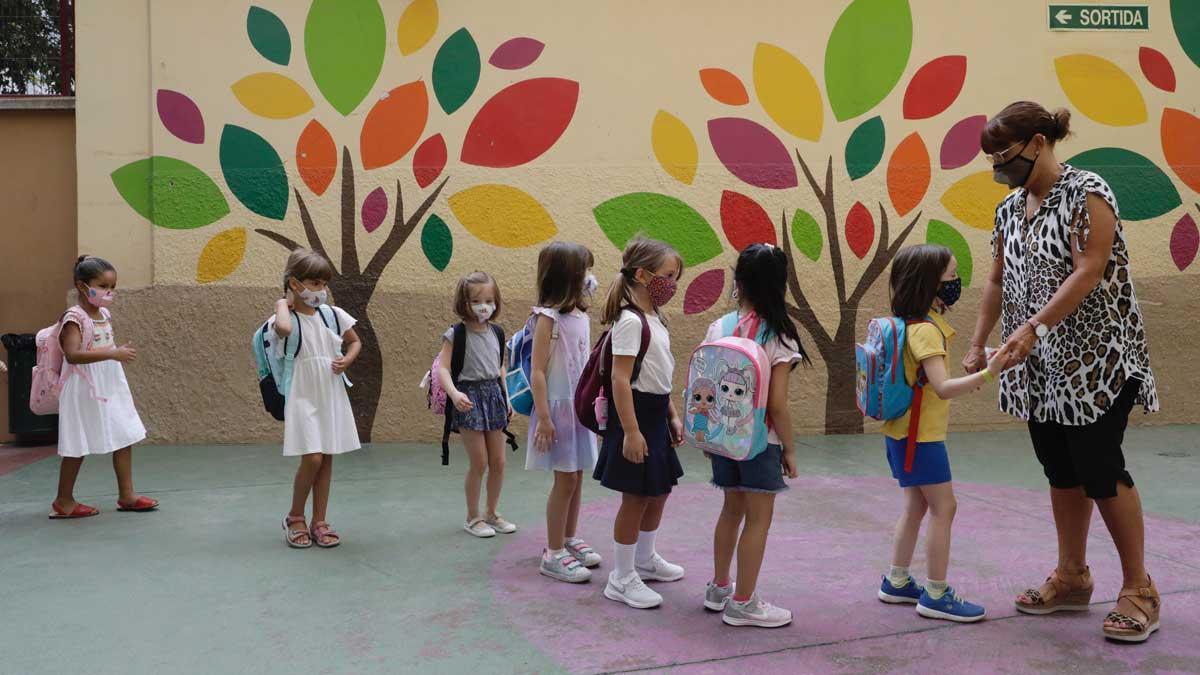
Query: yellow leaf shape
788, 92
418, 23
1099, 89
974, 199
674, 147
221, 255
502, 216
272, 95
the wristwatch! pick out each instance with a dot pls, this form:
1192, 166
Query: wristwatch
1039, 328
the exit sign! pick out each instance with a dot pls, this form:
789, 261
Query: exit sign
1099, 17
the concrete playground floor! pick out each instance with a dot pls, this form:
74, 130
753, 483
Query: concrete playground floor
206, 584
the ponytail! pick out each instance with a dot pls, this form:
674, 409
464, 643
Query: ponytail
640, 253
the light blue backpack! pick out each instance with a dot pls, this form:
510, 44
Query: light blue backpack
519, 372
275, 372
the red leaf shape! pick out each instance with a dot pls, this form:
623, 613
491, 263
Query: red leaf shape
724, 86
934, 87
516, 53
860, 230
908, 173
394, 125
520, 122
1185, 240
704, 291
1157, 68
429, 160
744, 221
316, 157
1180, 132
374, 209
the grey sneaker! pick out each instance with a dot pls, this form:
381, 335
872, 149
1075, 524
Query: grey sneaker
585, 554
499, 524
659, 569
479, 528
564, 567
715, 596
755, 612
631, 590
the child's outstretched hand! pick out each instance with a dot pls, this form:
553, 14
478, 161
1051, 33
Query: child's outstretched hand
999, 360
462, 403
789, 464
125, 353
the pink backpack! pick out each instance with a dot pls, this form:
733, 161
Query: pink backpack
51, 372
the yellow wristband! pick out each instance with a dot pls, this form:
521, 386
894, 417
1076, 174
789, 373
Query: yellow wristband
987, 376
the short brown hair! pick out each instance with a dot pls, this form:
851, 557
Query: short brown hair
916, 275
561, 269
640, 253
462, 295
304, 265
1021, 121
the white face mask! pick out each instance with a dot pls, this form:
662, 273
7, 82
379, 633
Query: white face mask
314, 299
483, 310
590, 285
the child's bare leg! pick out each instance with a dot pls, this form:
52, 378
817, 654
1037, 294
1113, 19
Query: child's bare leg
725, 535
558, 505
306, 474
908, 527
476, 448
495, 472
573, 510
68, 471
122, 461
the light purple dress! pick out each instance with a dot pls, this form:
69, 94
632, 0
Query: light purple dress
574, 448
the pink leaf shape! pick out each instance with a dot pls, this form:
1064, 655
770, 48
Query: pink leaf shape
181, 116
704, 291
1185, 239
860, 230
429, 160
520, 122
961, 144
516, 53
744, 221
1157, 68
752, 153
374, 209
934, 87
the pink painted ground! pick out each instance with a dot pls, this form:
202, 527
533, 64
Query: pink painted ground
829, 542
13, 457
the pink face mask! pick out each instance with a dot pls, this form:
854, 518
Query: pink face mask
661, 289
100, 297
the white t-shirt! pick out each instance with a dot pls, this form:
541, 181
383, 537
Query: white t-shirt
777, 352
658, 366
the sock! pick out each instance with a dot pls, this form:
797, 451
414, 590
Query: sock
898, 576
624, 554
550, 555
741, 599
721, 583
645, 547
936, 589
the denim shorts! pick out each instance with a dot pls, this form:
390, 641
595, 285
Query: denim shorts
764, 473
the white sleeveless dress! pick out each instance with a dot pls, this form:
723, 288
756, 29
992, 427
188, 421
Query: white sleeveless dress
318, 417
87, 426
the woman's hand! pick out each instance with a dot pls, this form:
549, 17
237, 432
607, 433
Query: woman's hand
1020, 343
634, 447
789, 463
975, 359
462, 402
544, 437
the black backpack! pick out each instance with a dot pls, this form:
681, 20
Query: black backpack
458, 354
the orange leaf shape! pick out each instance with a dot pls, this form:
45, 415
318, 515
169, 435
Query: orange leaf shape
1181, 145
724, 86
316, 157
908, 173
394, 125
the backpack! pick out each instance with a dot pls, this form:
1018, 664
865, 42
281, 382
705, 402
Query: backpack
52, 370
595, 382
728, 382
435, 395
520, 366
275, 372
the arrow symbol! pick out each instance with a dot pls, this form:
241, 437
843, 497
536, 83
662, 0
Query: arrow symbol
1063, 16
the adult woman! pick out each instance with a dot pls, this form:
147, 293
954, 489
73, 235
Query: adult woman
1061, 285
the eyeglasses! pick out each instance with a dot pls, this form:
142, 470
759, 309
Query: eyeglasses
997, 158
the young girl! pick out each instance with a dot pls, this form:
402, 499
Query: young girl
96, 415
480, 399
637, 456
318, 421
750, 486
924, 283
557, 441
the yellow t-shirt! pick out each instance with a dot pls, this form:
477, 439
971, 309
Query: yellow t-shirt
923, 341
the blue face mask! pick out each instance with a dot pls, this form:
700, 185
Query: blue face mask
950, 291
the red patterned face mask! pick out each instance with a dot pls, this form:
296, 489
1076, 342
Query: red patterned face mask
661, 290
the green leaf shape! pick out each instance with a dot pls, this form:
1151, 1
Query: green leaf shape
456, 70
660, 217
254, 172
866, 55
269, 35
344, 42
1143, 191
865, 148
944, 234
807, 235
170, 193
436, 242
1185, 17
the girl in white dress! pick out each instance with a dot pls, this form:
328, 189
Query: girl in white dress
318, 420
96, 415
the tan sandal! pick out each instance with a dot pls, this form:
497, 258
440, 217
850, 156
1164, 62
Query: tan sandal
294, 537
1063, 592
1123, 623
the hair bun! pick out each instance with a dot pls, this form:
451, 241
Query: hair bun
1062, 123
81, 258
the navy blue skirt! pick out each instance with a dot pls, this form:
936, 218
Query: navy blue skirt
491, 408
661, 469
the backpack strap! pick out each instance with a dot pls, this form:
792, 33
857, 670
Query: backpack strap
643, 347
458, 354
330, 319
499, 333
914, 410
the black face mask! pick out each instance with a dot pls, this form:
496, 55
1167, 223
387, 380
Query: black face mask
950, 291
1015, 172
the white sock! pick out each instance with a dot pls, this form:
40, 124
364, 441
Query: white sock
624, 554
936, 589
550, 555
645, 547
898, 576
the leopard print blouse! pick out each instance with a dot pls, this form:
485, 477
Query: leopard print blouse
1075, 373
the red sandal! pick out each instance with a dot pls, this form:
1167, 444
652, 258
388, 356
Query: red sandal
80, 511
140, 504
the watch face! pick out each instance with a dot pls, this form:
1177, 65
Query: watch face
1041, 330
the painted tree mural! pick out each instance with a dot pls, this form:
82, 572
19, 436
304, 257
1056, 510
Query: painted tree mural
345, 43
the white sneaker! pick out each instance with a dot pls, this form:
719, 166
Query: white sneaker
584, 553
479, 528
564, 567
659, 569
499, 524
631, 590
755, 612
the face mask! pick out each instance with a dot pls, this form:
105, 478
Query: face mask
661, 289
314, 299
99, 297
949, 291
483, 310
590, 285
1015, 172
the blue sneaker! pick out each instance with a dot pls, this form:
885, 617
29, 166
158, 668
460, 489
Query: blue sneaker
910, 592
950, 607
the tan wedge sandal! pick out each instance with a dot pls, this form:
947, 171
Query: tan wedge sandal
1063, 592
1136, 615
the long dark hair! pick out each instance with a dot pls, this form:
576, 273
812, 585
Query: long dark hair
760, 278
916, 275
